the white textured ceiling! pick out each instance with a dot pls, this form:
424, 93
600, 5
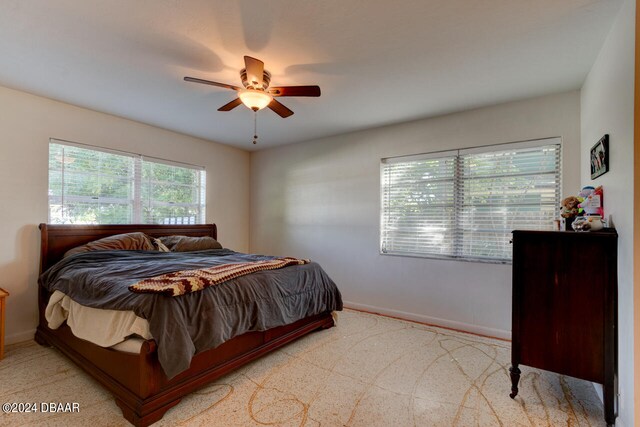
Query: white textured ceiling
376, 61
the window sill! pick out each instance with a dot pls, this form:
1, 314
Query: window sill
448, 258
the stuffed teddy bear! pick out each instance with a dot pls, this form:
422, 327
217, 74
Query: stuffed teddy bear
569, 207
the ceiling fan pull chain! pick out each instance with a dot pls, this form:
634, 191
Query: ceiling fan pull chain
255, 127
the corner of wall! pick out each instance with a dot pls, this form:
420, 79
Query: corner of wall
607, 107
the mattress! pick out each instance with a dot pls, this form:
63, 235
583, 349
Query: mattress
118, 329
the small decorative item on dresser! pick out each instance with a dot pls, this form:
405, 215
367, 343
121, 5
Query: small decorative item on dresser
569, 210
3, 295
581, 224
588, 223
591, 200
596, 222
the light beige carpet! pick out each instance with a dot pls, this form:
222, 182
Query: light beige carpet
368, 371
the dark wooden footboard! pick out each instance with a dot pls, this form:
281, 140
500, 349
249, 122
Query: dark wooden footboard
138, 382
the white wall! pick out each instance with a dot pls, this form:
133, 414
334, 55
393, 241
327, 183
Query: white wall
26, 124
320, 199
607, 106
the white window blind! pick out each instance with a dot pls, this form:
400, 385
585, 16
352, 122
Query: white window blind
90, 185
464, 204
418, 205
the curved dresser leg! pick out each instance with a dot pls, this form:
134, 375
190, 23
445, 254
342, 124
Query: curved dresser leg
514, 373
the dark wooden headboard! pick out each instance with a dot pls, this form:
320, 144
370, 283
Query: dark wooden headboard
56, 239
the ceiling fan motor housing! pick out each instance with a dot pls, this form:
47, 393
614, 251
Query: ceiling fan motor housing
266, 79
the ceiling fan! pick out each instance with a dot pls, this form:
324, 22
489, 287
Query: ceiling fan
256, 93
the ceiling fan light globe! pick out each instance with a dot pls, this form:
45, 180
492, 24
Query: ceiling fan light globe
255, 99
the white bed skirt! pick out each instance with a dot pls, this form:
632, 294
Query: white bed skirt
120, 330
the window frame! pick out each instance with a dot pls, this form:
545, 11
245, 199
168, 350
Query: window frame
136, 200
457, 230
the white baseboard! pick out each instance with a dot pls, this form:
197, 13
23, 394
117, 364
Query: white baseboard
451, 324
20, 336
598, 389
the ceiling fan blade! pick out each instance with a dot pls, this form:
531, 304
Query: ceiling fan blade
280, 109
231, 105
255, 71
209, 82
295, 91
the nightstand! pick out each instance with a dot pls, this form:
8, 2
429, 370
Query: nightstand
3, 295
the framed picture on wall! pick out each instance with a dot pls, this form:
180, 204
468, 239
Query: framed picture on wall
600, 157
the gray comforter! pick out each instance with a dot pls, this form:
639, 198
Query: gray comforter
186, 325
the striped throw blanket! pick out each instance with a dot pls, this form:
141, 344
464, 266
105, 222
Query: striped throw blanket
186, 281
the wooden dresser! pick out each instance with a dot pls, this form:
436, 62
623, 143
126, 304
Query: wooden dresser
565, 307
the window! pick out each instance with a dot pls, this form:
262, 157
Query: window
90, 185
464, 204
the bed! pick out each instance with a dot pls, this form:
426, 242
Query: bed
141, 389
